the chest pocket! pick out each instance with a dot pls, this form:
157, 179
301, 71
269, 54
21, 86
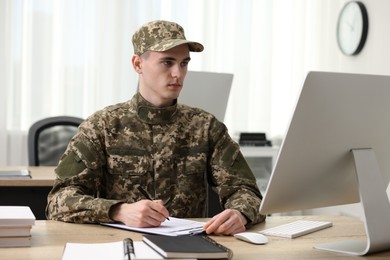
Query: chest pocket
128, 163
125, 168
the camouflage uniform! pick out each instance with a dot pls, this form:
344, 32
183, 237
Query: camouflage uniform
166, 151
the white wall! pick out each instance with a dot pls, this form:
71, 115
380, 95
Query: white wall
375, 55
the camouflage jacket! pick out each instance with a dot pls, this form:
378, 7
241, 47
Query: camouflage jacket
166, 151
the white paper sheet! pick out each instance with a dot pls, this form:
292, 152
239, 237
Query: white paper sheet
171, 227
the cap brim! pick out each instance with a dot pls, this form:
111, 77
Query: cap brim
166, 45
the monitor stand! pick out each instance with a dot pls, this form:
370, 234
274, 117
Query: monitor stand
376, 208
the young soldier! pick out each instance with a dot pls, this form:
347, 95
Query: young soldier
155, 144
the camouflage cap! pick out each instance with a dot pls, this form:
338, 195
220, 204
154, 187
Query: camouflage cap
161, 35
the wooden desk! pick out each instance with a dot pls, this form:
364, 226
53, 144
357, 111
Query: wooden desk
28, 192
42, 176
49, 238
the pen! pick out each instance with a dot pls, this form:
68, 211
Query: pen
146, 195
128, 248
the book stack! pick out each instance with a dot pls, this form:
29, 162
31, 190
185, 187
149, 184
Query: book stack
15, 226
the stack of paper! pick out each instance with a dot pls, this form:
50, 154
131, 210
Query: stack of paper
171, 227
15, 226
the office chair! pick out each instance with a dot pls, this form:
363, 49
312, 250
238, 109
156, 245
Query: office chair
213, 206
48, 139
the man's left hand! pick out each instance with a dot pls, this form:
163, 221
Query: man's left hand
228, 222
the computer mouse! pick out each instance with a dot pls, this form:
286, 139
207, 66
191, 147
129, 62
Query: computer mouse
252, 237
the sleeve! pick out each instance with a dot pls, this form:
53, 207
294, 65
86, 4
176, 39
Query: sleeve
232, 176
76, 194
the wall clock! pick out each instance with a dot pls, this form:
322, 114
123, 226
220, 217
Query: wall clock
352, 28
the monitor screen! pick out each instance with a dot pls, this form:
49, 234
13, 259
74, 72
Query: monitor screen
207, 90
336, 113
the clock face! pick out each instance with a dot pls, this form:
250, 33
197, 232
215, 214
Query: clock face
352, 28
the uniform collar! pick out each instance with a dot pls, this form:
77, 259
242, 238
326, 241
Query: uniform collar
150, 114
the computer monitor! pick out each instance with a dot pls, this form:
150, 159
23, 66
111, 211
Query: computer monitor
337, 151
207, 90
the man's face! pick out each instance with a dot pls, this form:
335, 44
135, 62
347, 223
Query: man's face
162, 74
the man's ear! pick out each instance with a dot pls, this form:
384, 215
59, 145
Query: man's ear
136, 60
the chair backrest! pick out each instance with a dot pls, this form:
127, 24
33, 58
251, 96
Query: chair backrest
48, 139
213, 205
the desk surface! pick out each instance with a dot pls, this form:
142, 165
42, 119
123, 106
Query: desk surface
49, 238
42, 176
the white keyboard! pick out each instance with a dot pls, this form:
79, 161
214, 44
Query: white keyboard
296, 228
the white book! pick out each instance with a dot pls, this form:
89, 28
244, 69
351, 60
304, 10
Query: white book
15, 231
16, 216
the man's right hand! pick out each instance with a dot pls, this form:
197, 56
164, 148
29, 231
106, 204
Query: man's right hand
144, 213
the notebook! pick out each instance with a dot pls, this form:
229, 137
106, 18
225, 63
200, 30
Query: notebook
200, 247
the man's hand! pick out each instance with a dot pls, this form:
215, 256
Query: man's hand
228, 222
144, 213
